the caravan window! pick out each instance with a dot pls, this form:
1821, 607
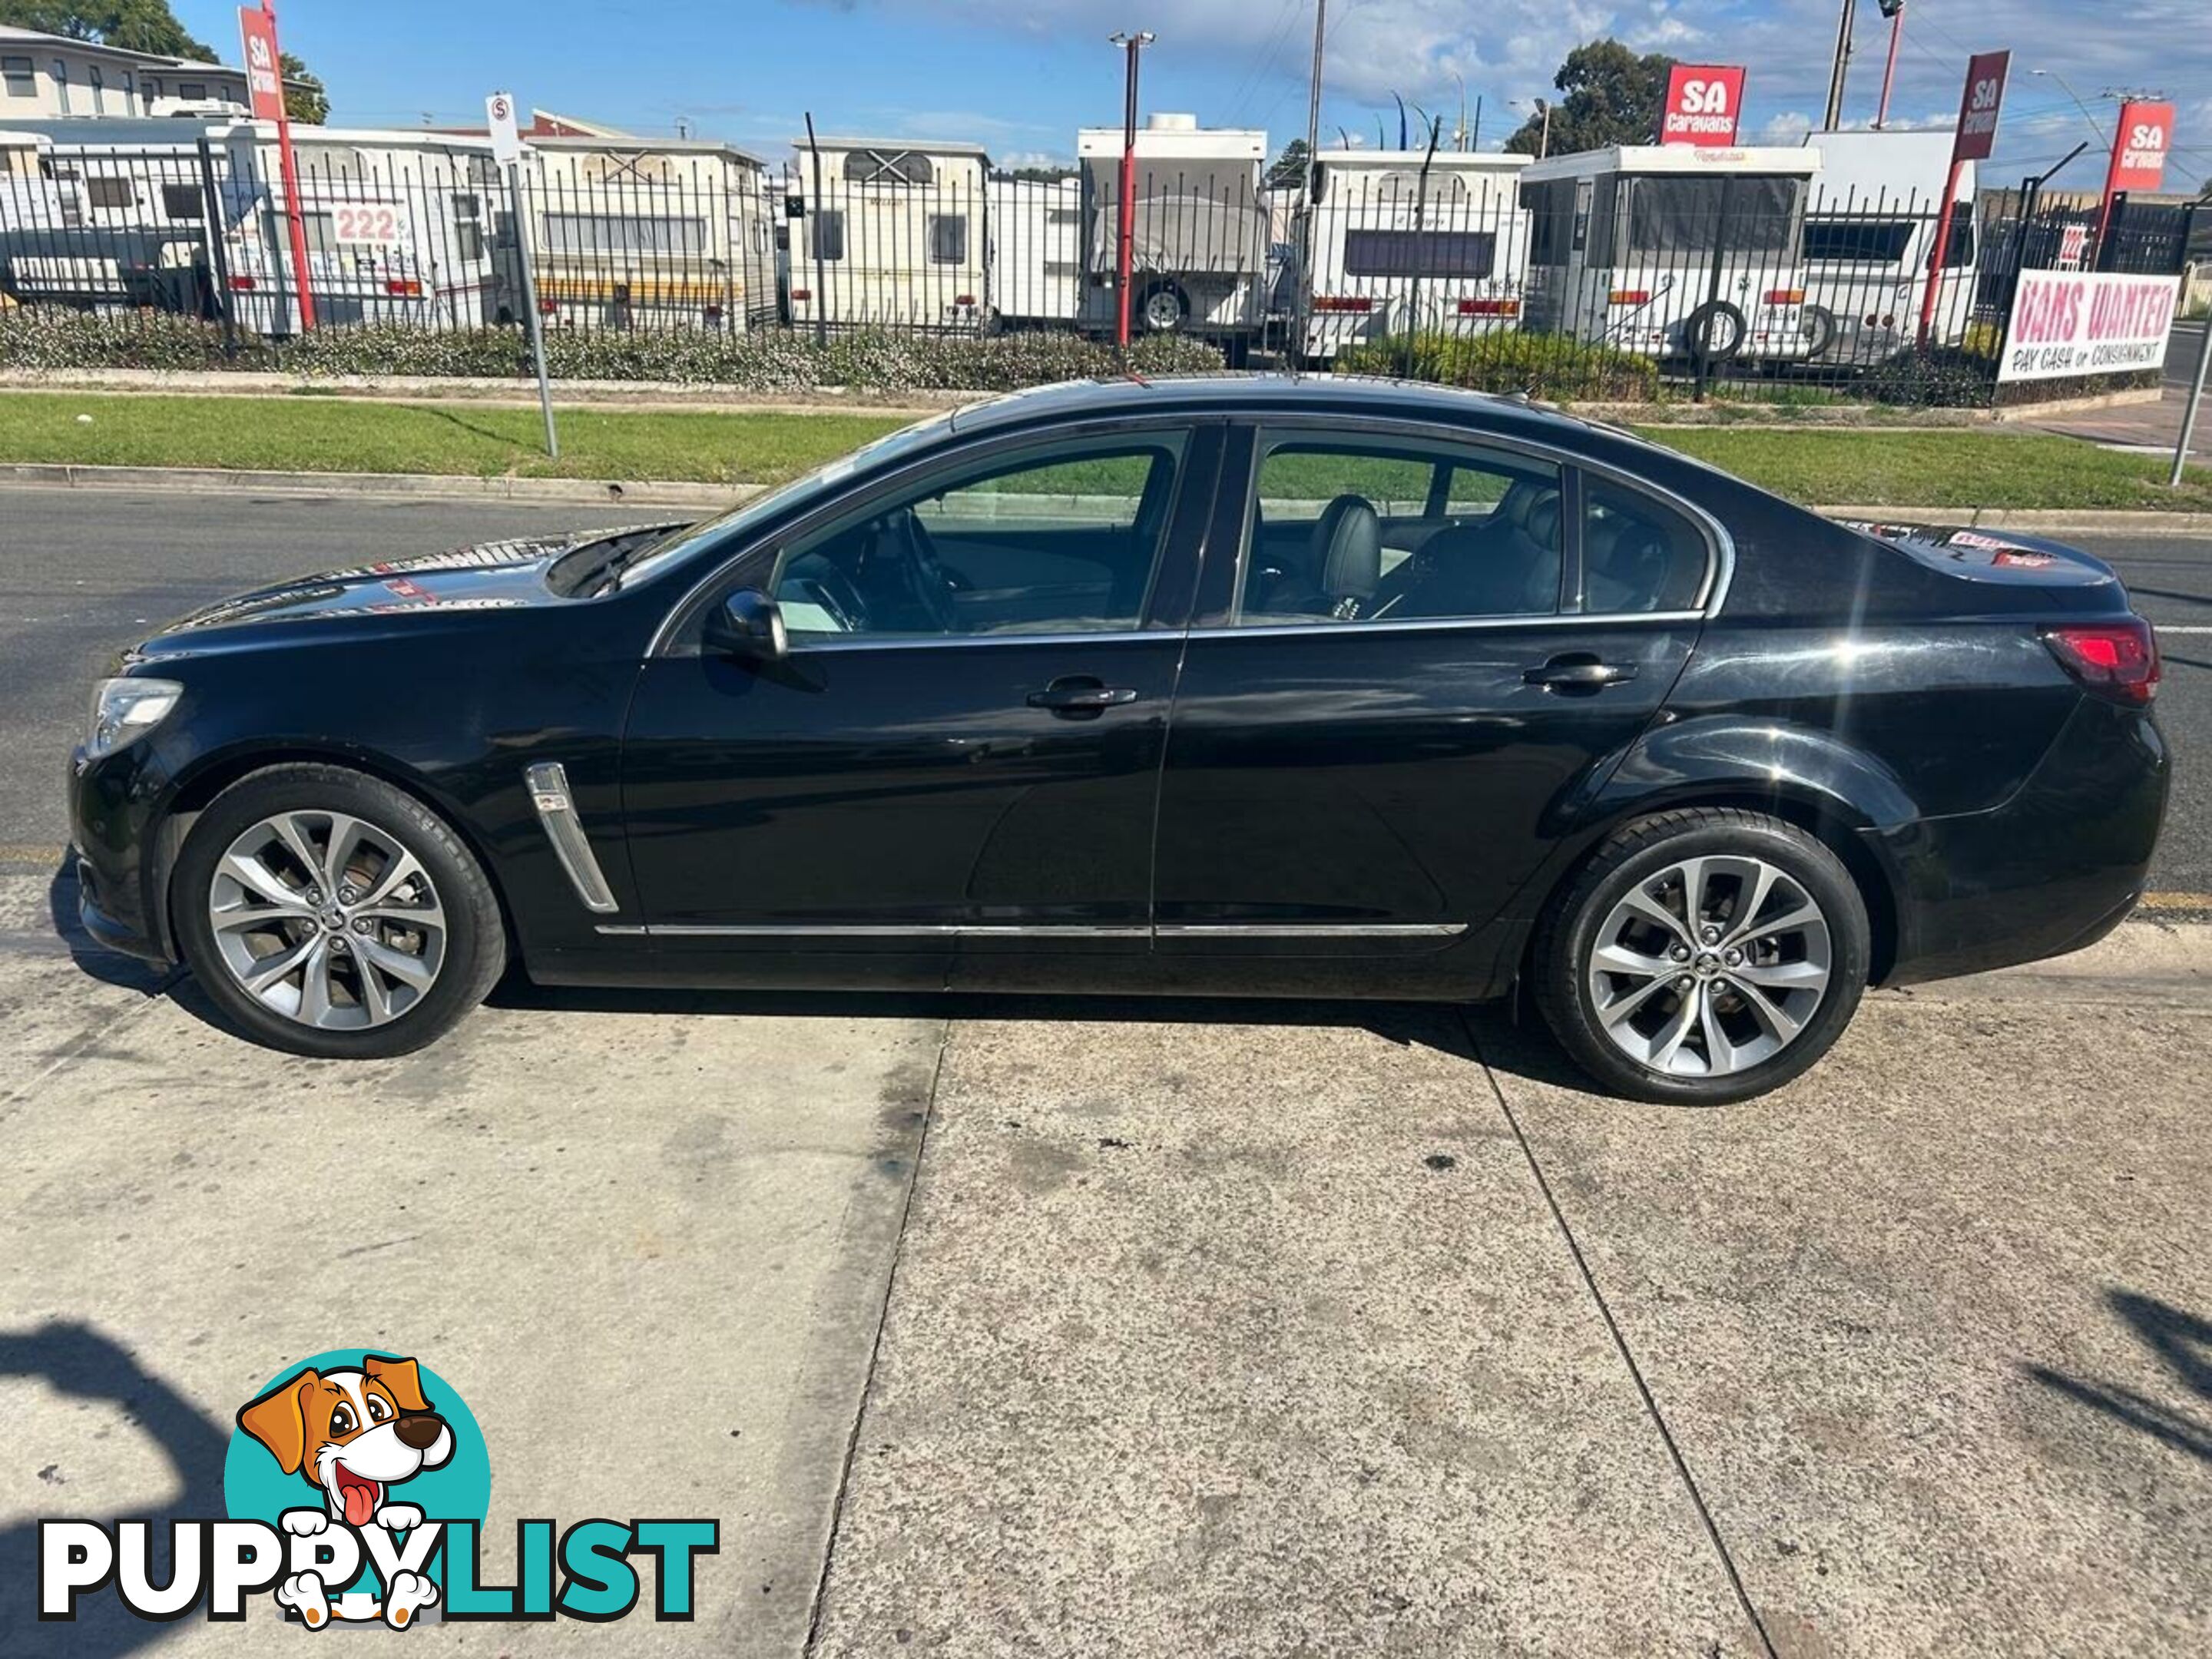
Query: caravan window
1463, 253
112, 194
1857, 241
868, 166
948, 239
623, 232
1685, 215
192, 92
182, 202
15, 72
1959, 251
468, 228
825, 236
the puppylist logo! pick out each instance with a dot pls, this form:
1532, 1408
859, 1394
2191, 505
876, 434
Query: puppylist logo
357, 1486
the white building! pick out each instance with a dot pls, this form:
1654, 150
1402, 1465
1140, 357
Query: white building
44, 76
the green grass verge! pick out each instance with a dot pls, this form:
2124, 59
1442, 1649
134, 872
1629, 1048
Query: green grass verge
1923, 469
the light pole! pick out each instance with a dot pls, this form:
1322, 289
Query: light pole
1893, 11
1459, 136
1124, 259
1541, 106
2053, 75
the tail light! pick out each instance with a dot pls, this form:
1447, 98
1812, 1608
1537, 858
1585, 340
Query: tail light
1490, 307
2117, 660
1631, 296
405, 287
241, 284
1785, 296
802, 295
964, 298
1351, 302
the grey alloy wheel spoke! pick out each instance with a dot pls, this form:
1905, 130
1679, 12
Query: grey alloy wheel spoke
325, 953
1722, 986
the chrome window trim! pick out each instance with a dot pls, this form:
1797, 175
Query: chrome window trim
556, 807
1045, 930
1186, 421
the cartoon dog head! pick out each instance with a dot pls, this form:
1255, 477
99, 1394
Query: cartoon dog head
352, 1434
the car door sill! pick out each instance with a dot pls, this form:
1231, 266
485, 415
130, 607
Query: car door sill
993, 930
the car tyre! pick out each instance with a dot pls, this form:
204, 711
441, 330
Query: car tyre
1629, 902
410, 940
1162, 309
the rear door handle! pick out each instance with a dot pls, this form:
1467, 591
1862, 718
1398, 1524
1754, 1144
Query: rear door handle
1076, 698
1579, 673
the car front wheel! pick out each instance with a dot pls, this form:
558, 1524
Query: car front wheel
1704, 957
326, 912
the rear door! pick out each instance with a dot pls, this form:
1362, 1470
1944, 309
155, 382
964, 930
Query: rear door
1375, 765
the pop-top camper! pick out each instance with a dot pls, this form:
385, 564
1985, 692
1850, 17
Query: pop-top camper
891, 233
1199, 234
1037, 251
1672, 251
649, 232
1405, 240
1870, 242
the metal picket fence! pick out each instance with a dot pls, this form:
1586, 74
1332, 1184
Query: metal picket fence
1594, 284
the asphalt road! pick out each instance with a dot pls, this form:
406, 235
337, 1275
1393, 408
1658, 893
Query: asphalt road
84, 573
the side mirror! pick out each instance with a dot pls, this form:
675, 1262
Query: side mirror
748, 625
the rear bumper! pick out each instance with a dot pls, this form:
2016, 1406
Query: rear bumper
2053, 870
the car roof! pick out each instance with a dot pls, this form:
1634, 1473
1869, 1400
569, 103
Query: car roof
1263, 395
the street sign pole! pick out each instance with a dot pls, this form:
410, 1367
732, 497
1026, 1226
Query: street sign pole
506, 149
2189, 415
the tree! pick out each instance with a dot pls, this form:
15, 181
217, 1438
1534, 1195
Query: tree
1290, 167
131, 24
1612, 97
305, 100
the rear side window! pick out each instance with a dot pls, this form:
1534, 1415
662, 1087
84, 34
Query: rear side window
1638, 554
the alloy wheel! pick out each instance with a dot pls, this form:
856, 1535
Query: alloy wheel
327, 919
1709, 966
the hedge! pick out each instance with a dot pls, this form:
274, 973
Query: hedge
1541, 365
767, 359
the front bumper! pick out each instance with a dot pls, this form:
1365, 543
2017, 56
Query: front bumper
2051, 871
122, 845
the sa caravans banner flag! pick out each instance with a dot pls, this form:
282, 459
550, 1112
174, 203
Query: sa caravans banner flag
257, 32
1704, 103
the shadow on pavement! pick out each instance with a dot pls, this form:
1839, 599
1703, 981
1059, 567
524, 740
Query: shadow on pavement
91, 957
78, 1361
2183, 1342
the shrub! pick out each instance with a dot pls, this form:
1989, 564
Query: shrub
1540, 365
766, 360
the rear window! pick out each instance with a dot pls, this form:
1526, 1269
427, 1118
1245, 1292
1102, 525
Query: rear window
1465, 254
1754, 213
1858, 241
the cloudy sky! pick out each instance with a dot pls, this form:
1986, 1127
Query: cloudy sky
1020, 74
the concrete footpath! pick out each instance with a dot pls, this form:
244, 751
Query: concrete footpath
1110, 1327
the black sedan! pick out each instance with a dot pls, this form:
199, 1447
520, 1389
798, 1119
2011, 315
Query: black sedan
1241, 685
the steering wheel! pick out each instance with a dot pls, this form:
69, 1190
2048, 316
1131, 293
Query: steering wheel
834, 592
927, 583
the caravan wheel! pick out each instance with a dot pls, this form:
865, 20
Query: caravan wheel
1163, 309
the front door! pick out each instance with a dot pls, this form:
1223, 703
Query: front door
1428, 649
962, 748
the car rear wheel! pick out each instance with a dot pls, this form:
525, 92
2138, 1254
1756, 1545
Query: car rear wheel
326, 912
1704, 957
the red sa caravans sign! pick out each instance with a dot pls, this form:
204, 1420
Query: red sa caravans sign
1979, 109
2139, 149
1704, 103
256, 31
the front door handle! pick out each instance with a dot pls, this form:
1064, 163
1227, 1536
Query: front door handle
1076, 698
1579, 672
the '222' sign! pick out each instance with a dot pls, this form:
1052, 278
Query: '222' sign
368, 224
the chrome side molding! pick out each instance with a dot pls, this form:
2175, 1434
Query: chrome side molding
556, 810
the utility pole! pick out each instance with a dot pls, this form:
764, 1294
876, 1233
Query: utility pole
1304, 320
1125, 249
1893, 11
1842, 70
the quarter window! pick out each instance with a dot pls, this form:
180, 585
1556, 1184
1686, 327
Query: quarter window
1063, 540
1638, 555
1354, 530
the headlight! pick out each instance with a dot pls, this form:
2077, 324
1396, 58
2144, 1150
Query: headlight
123, 711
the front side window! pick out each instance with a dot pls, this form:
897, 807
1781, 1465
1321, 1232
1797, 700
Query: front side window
1059, 540
1638, 554
1350, 530
948, 239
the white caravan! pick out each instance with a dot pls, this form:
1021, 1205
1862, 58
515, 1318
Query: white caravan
892, 233
648, 233
1405, 240
1199, 231
1673, 251
1870, 243
397, 224
1037, 251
